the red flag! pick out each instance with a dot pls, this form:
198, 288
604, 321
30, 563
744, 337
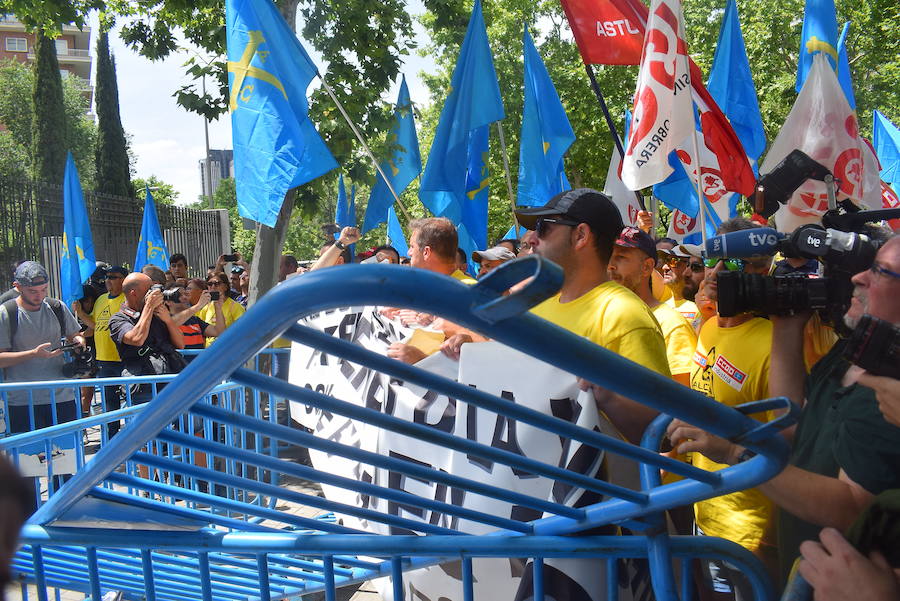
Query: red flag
608, 32
889, 200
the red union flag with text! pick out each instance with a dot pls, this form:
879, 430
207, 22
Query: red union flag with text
663, 108
608, 32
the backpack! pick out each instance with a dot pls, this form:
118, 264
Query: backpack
12, 310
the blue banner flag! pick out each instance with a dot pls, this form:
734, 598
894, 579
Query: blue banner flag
472, 102
345, 213
276, 146
151, 248
395, 233
403, 167
78, 261
512, 234
475, 203
731, 85
546, 134
820, 34
843, 71
886, 139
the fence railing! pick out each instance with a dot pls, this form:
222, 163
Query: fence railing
31, 227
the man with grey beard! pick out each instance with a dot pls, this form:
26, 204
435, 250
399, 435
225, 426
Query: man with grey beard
844, 451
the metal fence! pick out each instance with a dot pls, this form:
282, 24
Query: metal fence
31, 227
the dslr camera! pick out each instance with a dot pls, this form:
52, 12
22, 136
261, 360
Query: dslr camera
79, 362
173, 295
874, 345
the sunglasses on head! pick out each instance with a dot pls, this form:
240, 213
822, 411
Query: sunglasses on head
540, 226
730, 264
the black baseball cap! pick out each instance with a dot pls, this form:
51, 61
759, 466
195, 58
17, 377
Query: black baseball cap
632, 237
584, 205
117, 269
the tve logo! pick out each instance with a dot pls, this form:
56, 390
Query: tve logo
619, 27
763, 240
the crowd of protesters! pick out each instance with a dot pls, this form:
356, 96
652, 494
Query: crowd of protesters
653, 301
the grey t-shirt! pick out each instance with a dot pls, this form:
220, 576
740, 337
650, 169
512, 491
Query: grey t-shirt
35, 328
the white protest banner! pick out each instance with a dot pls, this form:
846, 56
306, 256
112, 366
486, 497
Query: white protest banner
497, 370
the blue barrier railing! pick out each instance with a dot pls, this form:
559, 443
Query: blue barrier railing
207, 545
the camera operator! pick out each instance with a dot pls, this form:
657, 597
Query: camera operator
145, 334
844, 451
31, 328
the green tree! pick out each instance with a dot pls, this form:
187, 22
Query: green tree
49, 123
162, 192
17, 115
113, 171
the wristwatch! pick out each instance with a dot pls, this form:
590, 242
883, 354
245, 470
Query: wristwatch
340, 244
745, 455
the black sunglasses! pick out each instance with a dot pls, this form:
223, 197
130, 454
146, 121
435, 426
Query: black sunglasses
540, 226
696, 267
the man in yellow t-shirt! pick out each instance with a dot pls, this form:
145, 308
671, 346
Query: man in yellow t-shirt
109, 364
576, 230
432, 245
632, 264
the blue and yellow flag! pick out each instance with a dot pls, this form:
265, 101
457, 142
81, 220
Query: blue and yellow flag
276, 146
472, 102
395, 233
820, 34
151, 248
843, 70
546, 134
404, 166
345, 212
78, 261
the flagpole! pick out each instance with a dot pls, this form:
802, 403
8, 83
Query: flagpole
512, 202
700, 200
609, 122
362, 141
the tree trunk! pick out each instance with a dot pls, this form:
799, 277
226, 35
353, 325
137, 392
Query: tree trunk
266, 262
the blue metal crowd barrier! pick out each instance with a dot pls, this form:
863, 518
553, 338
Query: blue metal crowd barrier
123, 530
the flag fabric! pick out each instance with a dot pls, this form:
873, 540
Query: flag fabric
843, 69
276, 146
622, 197
822, 124
608, 32
512, 234
663, 113
403, 167
77, 262
151, 248
546, 134
731, 85
473, 102
345, 212
819, 36
886, 138
474, 215
395, 233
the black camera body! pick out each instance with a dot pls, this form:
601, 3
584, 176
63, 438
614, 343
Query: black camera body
843, 254
874, 345
172, 295
79, 361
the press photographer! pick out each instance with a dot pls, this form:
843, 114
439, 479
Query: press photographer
145, 335
844, 451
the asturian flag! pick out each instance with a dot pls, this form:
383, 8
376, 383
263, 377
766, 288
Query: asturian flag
663, 111
822, 124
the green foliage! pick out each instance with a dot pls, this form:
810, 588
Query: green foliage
17, 114
49, 123
162, 192
112, 161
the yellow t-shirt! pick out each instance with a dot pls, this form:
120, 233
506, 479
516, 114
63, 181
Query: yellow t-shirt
230, 309
104, 308
679, 336
462, 277
615, 318
685, 307
731, 365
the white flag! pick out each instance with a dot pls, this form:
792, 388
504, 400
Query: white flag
822, 124
663, 108
621, 196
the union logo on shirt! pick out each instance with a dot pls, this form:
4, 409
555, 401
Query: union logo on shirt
728, 373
